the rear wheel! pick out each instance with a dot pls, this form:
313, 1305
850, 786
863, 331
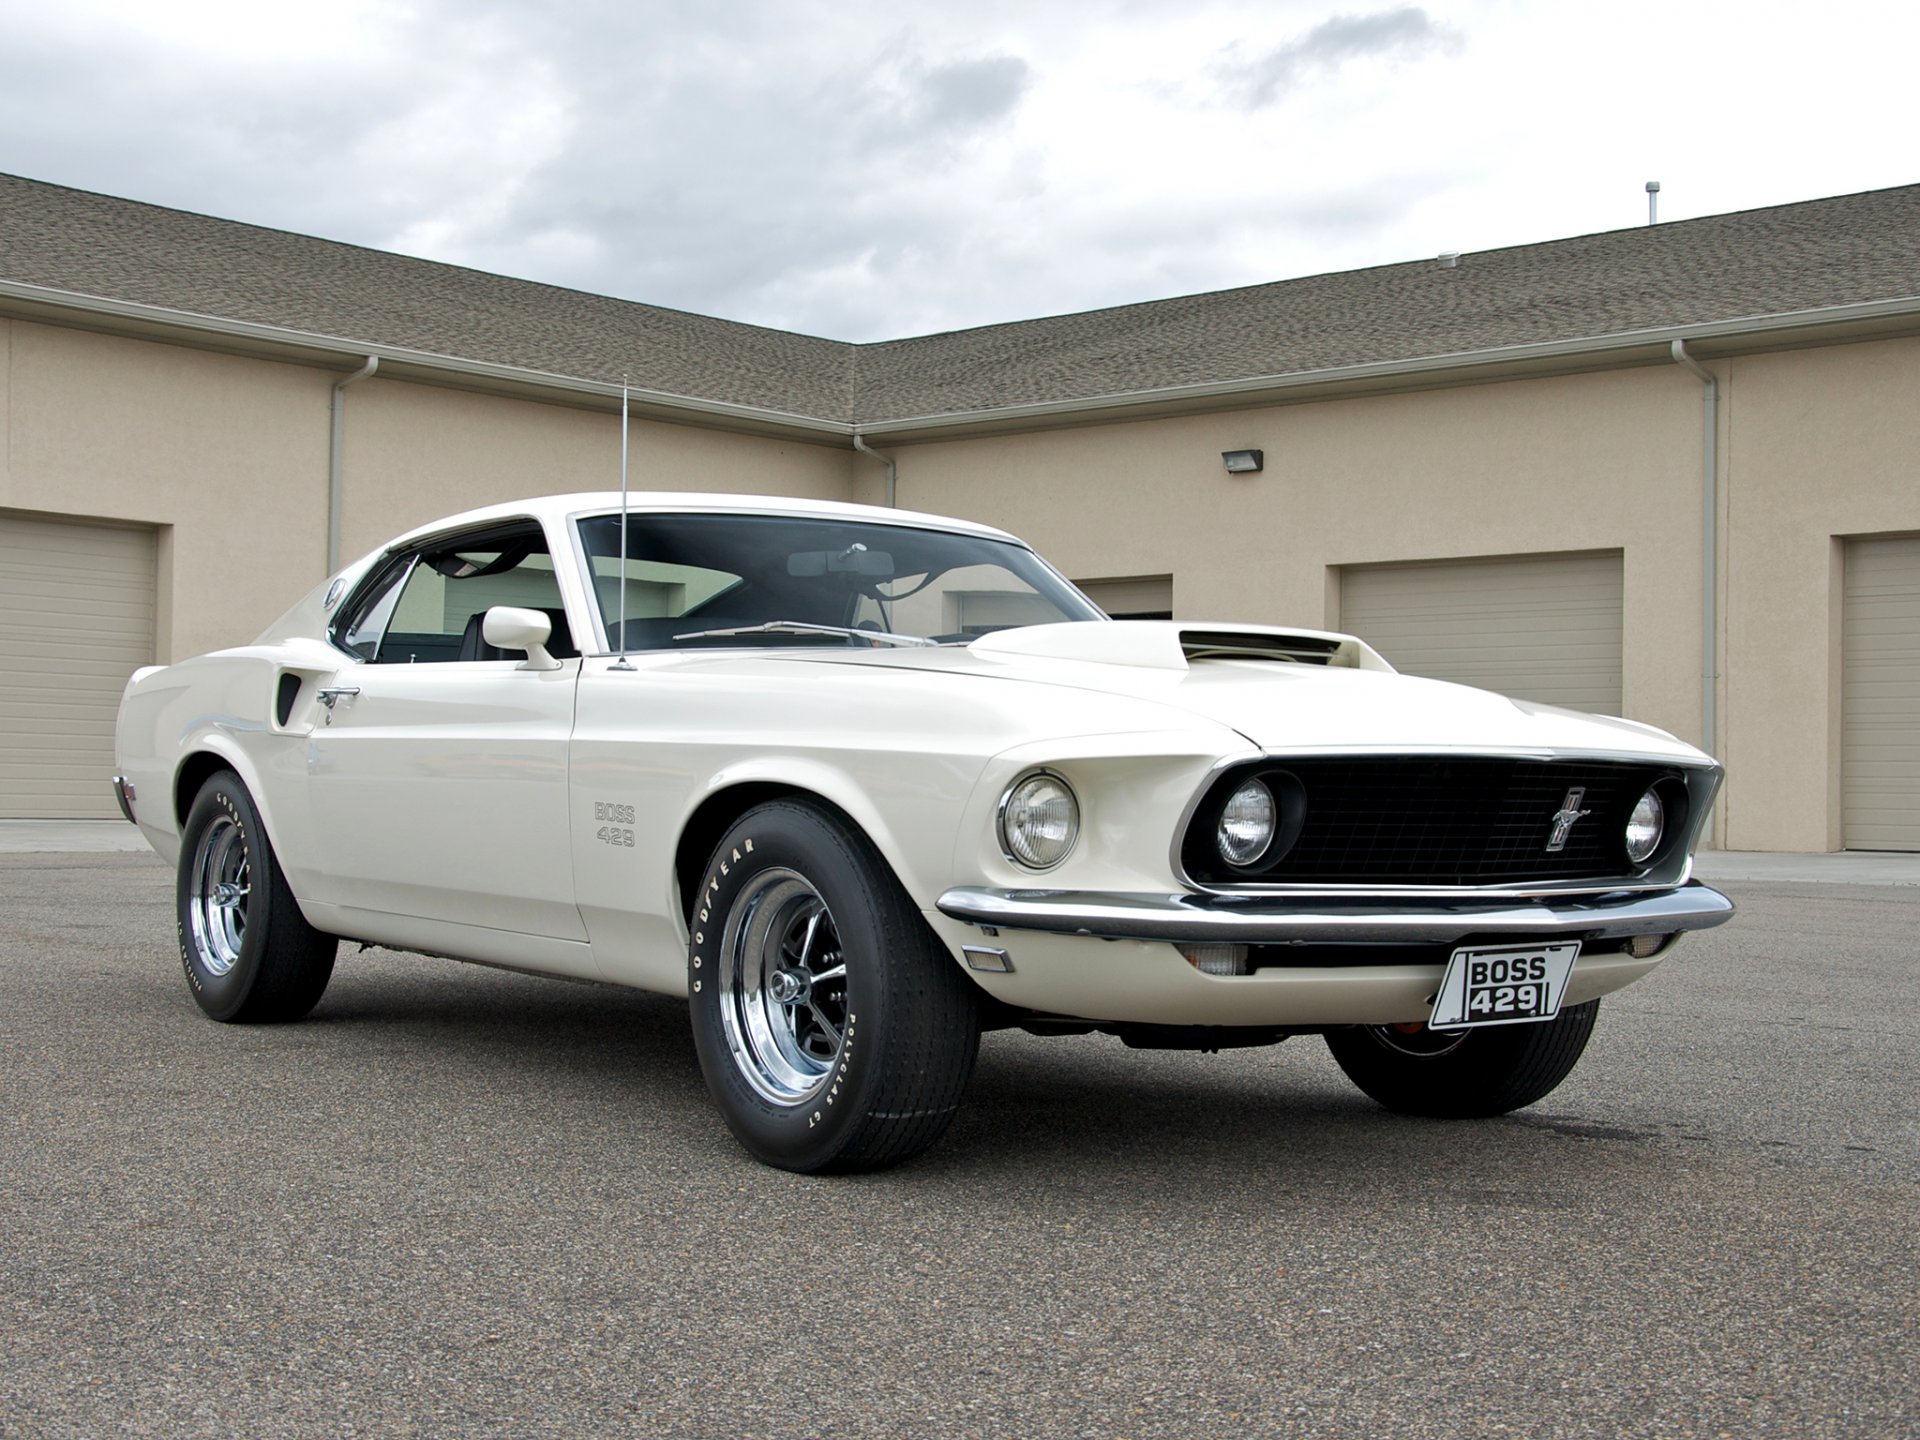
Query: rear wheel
834, 1031
249, 954
1463, 1074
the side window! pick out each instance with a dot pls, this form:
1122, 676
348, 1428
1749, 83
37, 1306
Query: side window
430, 608
365, 620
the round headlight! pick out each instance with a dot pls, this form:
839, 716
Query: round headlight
1039, 821
1645, 827
1246, 824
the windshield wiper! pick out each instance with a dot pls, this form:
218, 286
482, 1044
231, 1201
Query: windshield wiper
803, 627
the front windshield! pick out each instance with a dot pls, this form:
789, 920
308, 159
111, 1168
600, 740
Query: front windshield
689, 580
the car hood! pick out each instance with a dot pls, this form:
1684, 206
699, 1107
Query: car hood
1285, 690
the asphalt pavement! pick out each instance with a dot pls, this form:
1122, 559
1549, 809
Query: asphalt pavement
462, 1202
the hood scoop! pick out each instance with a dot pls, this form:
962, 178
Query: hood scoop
1169, 645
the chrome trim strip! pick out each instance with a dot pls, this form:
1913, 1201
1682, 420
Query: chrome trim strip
1212, 919
123, 792
1519, 890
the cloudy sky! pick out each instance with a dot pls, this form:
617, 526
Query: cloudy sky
871, 170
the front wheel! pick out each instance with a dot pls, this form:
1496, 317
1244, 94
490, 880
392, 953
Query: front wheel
834, 1031
249, 954
1463, 1074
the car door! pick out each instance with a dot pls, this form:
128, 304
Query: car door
437, 770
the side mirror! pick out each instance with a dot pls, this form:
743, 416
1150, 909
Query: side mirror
508, 627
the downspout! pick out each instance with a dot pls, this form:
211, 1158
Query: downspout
336, 457
893, 470
1709, 547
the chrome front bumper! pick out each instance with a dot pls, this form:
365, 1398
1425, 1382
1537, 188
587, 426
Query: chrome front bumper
1269, 920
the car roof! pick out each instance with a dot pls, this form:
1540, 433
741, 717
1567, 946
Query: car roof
553, 509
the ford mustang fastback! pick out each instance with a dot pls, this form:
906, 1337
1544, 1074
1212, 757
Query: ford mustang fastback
861, 783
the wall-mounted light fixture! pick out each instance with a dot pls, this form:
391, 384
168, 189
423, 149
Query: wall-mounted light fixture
1244, 462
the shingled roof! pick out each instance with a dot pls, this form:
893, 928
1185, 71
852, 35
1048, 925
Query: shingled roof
97, 245
1848, 251
1785, 259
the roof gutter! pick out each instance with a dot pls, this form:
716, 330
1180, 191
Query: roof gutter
308, 347
1901, 314
1819, 325
336, 457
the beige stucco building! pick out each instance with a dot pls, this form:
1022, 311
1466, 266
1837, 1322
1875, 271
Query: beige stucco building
1667, 472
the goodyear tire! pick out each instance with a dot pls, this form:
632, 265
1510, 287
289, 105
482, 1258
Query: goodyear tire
249, 954
1463, 1074
834, 1031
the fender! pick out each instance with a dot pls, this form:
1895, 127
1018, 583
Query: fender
282, 806
215, 741
916, 859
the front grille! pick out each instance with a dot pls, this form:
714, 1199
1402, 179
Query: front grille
1433, 821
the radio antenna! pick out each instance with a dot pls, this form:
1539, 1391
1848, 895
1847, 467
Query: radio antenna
621, 578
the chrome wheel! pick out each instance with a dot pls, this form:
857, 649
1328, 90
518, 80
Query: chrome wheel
1417, 1039
217, 904
801, 937
1462, 1074
783, 987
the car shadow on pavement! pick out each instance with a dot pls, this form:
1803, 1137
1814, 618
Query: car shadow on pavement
498, 1017
1236, 1124
612, 1059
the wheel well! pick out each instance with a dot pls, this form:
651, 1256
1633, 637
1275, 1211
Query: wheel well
716, 815
193, 773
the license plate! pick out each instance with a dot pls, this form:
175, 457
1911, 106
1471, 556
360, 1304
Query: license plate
1504, 985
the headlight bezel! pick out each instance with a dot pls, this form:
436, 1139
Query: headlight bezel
1197, 857
1008, 849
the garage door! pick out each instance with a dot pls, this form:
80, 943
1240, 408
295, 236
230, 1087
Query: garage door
78, 604
1141, 597
1539, 627
1880, 695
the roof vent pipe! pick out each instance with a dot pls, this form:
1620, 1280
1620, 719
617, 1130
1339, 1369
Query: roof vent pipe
1709, 546
1653, 202
893, 470
1450, 259
336, 457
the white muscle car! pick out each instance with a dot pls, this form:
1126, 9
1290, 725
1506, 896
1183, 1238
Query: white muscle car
860, 782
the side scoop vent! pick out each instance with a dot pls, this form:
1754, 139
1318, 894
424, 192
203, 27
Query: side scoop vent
288, 692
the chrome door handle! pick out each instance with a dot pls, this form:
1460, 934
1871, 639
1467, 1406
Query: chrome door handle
334, 694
